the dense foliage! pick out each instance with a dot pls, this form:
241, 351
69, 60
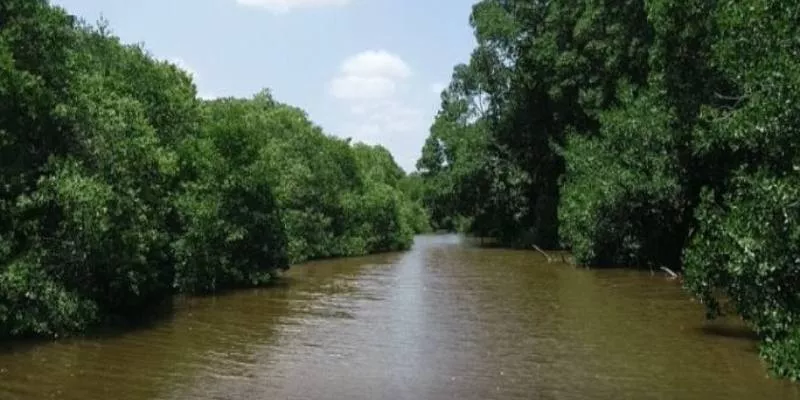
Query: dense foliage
635, 133
118, 187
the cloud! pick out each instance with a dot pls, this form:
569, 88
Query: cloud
370, 85
284, 6
398, 125
376, 63
386, 118
369, 75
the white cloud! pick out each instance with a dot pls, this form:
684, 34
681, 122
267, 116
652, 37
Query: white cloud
388, 117
284, 6
376, 63
374, 88
369, 75
397, 125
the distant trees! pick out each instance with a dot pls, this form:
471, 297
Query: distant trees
638, 133
118, 187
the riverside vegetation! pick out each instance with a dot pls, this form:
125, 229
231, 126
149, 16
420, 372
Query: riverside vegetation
633, 133
649, 133
120, 188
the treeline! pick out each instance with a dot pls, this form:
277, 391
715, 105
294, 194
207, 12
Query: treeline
119, 188
636, 133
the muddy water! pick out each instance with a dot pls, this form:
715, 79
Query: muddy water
445, 320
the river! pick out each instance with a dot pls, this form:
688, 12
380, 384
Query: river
445, 320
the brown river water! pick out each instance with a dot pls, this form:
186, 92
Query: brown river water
445, 320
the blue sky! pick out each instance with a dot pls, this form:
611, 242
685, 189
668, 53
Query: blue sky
367, 69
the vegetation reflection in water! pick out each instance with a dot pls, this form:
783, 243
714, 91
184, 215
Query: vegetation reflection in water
445, 320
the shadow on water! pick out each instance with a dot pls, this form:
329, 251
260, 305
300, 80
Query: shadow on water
740, 332
8, 347
114, 326
151, 317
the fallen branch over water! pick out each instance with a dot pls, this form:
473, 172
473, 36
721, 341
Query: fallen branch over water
547, 256
671, 273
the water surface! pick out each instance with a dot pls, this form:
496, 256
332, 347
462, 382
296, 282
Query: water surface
445, 320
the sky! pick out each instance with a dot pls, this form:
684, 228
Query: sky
371, 70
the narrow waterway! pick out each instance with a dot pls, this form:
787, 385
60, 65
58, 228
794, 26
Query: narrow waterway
445, 320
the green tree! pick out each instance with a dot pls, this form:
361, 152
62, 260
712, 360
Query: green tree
119, 188
743, 256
